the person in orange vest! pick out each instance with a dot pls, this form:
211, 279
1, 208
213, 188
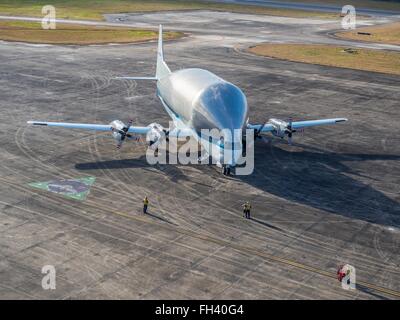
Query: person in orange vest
246, 209
145, 204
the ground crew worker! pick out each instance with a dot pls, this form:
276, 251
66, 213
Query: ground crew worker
145, 204
246, 209
341, 273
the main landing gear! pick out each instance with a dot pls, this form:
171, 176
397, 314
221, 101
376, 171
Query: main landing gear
226, 170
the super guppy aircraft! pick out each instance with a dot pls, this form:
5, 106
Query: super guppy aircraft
197, 99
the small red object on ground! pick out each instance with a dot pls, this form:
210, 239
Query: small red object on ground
341, 273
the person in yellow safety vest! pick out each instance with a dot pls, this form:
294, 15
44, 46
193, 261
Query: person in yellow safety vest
145, 204
246, 209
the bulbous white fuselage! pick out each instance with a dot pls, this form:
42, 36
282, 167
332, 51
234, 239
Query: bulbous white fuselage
202, 100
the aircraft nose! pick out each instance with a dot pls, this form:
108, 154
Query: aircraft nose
221, 106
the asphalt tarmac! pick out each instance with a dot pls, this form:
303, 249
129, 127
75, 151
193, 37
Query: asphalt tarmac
330, 198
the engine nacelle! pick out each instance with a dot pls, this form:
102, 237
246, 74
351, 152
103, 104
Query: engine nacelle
155, 135
280, 127
116, 129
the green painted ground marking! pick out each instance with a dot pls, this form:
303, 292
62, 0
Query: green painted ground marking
71, 188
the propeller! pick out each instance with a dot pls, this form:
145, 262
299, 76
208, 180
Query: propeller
257, 132
289, 131
124, 133
166, 132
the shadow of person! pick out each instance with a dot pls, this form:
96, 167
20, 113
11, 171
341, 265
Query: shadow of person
371, 292
158, 217
265, 224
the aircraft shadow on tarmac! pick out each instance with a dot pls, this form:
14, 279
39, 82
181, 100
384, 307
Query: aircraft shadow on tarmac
311, 177
320, 179
172, 171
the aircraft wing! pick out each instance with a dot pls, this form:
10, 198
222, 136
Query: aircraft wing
180, 132
87, 126
313, 123
297, 124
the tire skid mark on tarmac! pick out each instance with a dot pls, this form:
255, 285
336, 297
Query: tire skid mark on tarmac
152, 249
278, 242
220, 258
56, 169
311, 241
240, 248
122, 185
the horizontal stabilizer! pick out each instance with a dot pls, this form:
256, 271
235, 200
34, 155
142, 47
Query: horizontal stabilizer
136, 78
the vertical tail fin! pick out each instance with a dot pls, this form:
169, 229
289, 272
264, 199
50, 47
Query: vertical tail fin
162, 68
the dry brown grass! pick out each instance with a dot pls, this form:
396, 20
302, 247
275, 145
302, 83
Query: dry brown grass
32, 32
363, 59
370, 4
388, 33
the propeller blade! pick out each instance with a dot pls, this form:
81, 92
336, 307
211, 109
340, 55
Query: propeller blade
124, 133
290, 124
289, 130
166, 132
126, 128
257, 132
